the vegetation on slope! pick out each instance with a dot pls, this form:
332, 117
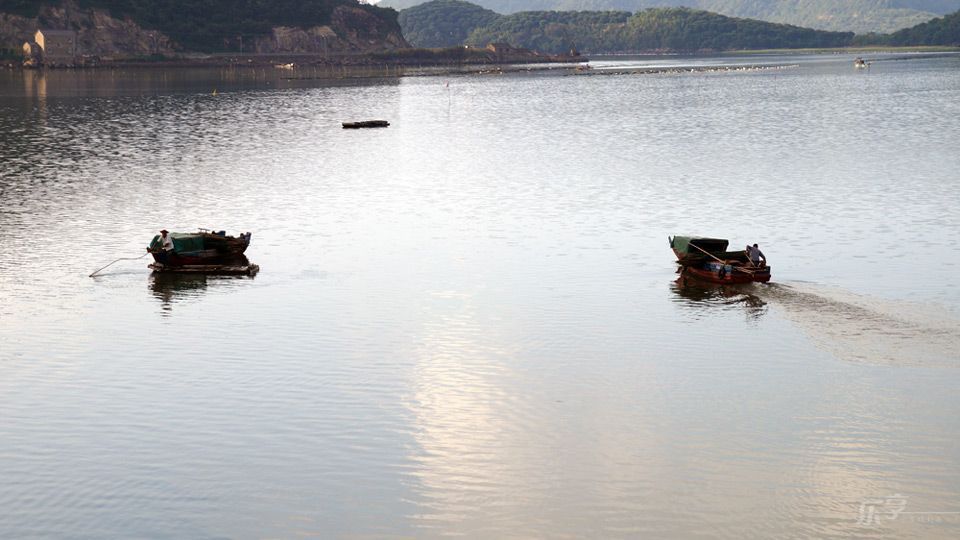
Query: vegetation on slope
941, 31
555, 32
858, 16
212, 25
843, 15
443, 23
663, 29
691, 30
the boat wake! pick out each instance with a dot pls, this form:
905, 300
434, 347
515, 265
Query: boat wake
869, 330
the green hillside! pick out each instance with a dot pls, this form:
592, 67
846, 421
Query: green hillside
558, 32
941, 31
859, 16
443, 23
212, 25
660, 29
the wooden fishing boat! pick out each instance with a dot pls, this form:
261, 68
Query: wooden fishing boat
366, 124
202, 248
709, 260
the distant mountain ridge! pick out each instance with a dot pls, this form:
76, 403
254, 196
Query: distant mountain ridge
940, 31
444, 23
860, 16
453, 23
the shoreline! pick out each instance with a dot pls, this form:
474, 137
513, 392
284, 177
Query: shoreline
430, 58
873, 49
432, 62
454, 56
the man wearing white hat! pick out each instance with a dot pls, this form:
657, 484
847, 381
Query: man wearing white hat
166, 241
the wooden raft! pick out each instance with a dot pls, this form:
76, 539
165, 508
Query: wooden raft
221, 269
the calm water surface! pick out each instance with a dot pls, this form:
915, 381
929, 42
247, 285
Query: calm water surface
468, 323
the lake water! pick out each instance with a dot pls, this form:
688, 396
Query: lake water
467, 323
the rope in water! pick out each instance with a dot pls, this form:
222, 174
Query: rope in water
118, 260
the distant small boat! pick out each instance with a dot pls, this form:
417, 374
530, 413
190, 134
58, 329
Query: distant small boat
200, 248
859, 63
366, 124
291, 65
709, 260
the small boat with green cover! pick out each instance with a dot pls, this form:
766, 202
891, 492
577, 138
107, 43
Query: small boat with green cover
204, 247
709, 259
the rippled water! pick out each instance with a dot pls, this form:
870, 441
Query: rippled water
468, 323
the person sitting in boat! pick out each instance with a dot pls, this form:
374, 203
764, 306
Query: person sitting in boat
755, 255
164, 243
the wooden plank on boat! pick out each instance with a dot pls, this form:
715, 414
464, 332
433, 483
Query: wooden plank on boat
366, 124
221, 269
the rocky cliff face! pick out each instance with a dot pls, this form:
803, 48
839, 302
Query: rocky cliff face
98, 34
352, 30
14, 31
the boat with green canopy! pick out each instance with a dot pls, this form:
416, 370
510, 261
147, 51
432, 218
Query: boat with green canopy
709, 259
203, 247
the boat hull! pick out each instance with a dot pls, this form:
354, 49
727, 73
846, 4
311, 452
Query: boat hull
205, 257
727, 274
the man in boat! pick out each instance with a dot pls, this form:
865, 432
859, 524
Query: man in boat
755, 255
166, 241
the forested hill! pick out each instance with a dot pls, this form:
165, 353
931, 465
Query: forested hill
660, 29
212, 25
940, 31
443, 23
860, 16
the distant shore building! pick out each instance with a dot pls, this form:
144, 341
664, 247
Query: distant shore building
52, 47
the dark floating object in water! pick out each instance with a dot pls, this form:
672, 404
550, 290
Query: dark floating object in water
203, 248
203, 252
366, 124
708, 259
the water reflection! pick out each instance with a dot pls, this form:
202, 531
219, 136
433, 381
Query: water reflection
151, 81
171, 288
696, 293
551, 385
175, 288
